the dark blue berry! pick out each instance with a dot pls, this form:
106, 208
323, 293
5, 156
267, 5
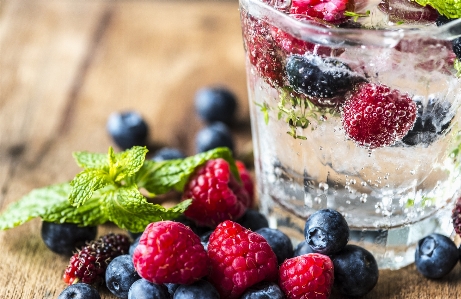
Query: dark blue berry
326, 231
79, 291
253, 220
263, 290
198, 230
143, 289
213, 136
168, 153
66, 238
320, 77
127, 129
356, 271
133, 245
431, 122
216, 104
172, 288
279, 242
303, 248
205, 239
201, 289
435, 256
120, 275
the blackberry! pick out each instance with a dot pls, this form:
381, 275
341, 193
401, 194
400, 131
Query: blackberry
65, 238
320, 77
263, 290
201, 289
326, 231
143, 289
127, 129
168, 153
253, 220
79, 291
89, 264
456, 217
435, 256
279, 242
356, 271
120, 275
213, 136
216, 104
303, 248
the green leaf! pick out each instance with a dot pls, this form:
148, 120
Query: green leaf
127, 163
161, 177
128, 209
91, 160
457, 66
85, 183
52, 204
449, 8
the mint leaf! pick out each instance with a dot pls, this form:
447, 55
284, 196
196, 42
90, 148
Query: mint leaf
91, 160
161, 177
449, 8
129, 209
127, 163
85, 183
52, 204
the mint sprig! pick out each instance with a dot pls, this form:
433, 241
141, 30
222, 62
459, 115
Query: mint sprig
449, 8
107, 189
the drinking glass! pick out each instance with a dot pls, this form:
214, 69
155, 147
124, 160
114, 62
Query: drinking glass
303, 77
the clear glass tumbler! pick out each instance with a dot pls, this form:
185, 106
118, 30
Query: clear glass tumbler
355, 119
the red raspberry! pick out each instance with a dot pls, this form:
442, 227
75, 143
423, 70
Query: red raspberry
247, 181
376, 116
308, 276
239, 259
456, 216
216, 195
328, 10
89, 264
170, 252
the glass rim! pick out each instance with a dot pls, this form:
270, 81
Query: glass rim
346, 37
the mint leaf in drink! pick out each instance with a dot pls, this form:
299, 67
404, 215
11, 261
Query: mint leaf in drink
449, 8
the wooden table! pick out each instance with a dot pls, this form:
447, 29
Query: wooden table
65, 65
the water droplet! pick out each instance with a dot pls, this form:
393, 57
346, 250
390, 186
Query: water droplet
412, 172
363, 198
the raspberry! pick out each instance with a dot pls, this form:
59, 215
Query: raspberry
376, 116
89, 264
170, 252
307, 276
247, 181
456, 216
216, 195
239, 259
328, 10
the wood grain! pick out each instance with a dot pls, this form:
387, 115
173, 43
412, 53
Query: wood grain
66, 65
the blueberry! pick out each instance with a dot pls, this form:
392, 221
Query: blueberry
279, 242
320, 77
120, 275
205, 239
431, 122
168, 153
263, 290
326, 231
143, 289
213, 136
198, 230
303, 248
201, 289
172, 287
127, 129
133, 245
214, 104
79, 291
253, 220
435, 256
356, 271
65, 238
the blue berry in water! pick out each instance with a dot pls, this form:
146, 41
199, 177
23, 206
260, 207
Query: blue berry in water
213, 136
431, 122
127, 129
201, 289
303, 248
216, 104
168, 153
120, 275
320, 77
66, 238
279, 242
79, 291
253, 220
143, 289
435, 256
133, 245
263, 290
326, 231
356, 271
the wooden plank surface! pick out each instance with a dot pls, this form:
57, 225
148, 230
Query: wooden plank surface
66, 65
